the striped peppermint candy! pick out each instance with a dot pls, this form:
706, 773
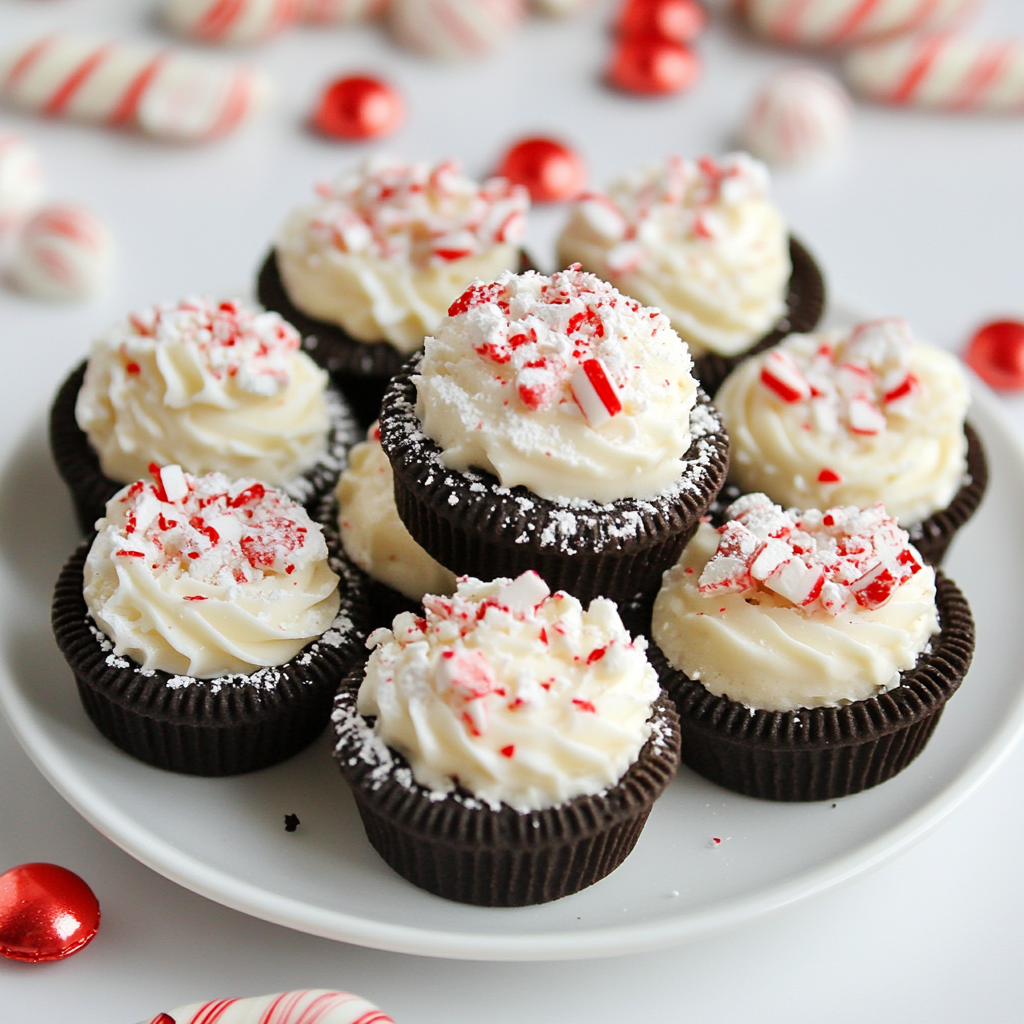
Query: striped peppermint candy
231, 22
453, 29
171, 94
946, 71
339, 12
64, 254
304, 1006
849, 22
21, 180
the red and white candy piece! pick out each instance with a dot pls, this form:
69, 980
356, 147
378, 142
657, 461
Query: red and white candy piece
171, 94
64, 254
679, 21
549, 170
560, 8
944, 71
303, 1006
339, 12
849, 22
996, 354
21, 180
46, 913
780, 373
652, 66
230, 22
453, 29
594, 392
799, 115
359, 107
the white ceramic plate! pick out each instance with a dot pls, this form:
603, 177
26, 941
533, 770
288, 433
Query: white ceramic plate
225, 838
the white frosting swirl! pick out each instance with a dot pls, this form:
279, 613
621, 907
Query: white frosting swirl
699, 240
208, 386
506, 387
851, 418
389, 245
523, 698
782, 610
373, 535
301, 1006
205, 577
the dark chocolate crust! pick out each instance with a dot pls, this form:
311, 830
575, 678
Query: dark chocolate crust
931, 536
461, 849
362, 369
472, 525
827, 752
805, 304
206, 726
79, 465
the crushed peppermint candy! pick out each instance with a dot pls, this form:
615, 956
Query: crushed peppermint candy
679, 198
819, 561
228, 340
426, 216
854, 382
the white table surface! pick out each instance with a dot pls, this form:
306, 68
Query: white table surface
922, 216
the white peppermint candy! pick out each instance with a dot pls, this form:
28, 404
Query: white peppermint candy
231, 22
339, 12
21, 180
453, 29
64, 254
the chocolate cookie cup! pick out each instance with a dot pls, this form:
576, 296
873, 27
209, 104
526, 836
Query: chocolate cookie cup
79, 465
362, 369
459, 848
472, 525
222, 726
931, 536
825, 752
805, 304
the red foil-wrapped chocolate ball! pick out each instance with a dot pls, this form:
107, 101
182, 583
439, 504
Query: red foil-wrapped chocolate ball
359, 107
549, 170
46, 913
996, 354
653, 66
677, 20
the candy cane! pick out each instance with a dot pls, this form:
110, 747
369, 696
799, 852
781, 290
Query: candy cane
849, 22
21, 180
305, 1006
229, 21
167, 93
453, 29
948, 71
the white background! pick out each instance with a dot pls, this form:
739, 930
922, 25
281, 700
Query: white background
922, 216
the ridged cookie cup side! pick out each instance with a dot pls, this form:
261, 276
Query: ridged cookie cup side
472, 525
805, 304
459, 848
826, 752
223, 726
79, 465
362, 369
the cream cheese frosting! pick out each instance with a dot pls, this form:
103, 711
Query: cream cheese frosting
786, 610
389, 245
560, 384
204, 577
698, 239
519, 695
852, 417
205, 385
373, 535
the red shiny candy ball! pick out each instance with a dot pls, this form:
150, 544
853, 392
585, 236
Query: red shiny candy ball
653, 66
359, 107
677, 20
996, 354
549, 170
46, 913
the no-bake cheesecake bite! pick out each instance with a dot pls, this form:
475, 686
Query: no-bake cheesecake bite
809, 654
399, 572
505, 747
371, 267
553, 424
207, 623
210, 386
854, 417
701, 241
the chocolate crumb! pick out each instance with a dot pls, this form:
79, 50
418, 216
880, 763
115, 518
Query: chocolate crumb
291, 822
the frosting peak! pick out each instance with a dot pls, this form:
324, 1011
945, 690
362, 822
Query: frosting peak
561, 384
